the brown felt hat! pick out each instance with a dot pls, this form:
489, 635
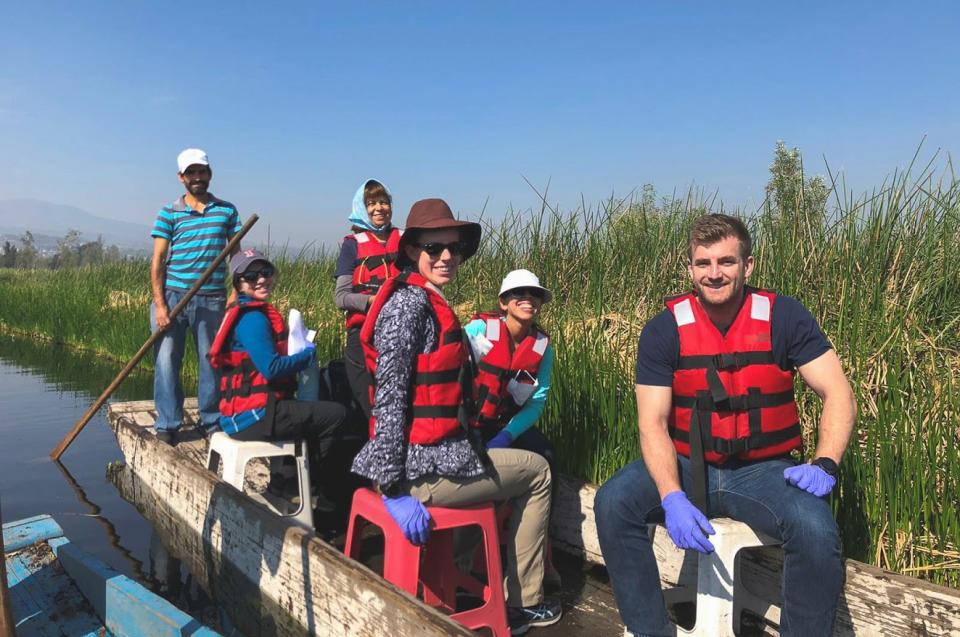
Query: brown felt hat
435, 214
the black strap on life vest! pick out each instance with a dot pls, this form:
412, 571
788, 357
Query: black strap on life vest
715, 399
374, 262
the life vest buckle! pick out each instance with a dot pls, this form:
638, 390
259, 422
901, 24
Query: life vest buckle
730, 447
727, 361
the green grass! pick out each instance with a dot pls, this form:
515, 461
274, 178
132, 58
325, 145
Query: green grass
879, 272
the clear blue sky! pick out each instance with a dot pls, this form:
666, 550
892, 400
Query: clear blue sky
297, 105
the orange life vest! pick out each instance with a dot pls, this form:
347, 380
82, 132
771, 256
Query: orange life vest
242, 387
436, 392
729, 386
501, 364
375, 263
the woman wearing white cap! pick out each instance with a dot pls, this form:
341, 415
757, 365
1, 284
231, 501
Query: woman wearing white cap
514, 364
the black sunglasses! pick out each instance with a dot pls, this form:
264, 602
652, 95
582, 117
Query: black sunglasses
252, 276
520, 293
435, 249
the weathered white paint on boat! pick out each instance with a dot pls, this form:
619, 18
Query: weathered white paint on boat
272, 576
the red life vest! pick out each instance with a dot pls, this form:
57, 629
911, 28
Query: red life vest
729, 386
242, 387
375, 263
436, 392
501, 364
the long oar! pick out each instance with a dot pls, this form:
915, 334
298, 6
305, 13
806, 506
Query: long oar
56, 453
6, 617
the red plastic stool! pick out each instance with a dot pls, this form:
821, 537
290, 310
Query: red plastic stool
439, 576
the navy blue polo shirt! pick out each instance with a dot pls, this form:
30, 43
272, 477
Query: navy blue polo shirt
796, 339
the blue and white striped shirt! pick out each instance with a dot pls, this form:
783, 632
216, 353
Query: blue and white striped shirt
196, 238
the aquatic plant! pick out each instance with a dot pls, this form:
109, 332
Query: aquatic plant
880, 271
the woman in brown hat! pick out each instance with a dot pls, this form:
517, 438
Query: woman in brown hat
419, 450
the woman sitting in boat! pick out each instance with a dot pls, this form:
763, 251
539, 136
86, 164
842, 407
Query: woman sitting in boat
514, 364
420, 450
258, 377
367, 259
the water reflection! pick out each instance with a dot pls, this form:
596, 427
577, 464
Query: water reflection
105, 522
73, 371
44, 389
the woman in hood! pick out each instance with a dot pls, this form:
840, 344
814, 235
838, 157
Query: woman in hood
367, 258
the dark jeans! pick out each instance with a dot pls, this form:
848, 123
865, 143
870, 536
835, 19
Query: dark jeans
357, 374
751, 492
315, 421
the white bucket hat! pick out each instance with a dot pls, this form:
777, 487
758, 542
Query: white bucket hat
523, 279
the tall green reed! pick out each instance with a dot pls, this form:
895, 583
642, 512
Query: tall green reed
879, 271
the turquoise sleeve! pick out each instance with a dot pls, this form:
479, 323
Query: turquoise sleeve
531, 410
476, 327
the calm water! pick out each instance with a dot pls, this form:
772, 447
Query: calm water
44, 390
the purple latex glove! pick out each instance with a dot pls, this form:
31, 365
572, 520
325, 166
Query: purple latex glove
411, 516
810, 478
687, 526
502, 440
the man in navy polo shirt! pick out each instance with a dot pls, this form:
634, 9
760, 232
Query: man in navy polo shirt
718, 422
187, 236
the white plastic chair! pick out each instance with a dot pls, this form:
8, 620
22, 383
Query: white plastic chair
235, 454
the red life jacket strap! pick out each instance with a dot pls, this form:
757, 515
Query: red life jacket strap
374, 262
372, 286
704, 401
435, 411
731, 360
752, 402
453, 336
500, 372
438, 378
734, 446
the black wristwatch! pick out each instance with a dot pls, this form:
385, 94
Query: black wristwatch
829, 466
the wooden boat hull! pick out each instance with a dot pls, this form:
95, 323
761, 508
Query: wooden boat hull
269, 574
56, 588
275, 578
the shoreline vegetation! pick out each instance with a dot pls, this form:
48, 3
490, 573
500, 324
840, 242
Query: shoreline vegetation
880, 271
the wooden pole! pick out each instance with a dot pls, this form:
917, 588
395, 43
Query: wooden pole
235, 241
7, 625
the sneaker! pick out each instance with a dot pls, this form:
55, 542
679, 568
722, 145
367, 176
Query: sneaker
167, 437
546, 613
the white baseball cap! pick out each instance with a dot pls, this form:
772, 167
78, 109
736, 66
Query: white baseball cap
189, 157
523, 279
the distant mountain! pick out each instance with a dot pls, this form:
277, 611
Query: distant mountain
43, 217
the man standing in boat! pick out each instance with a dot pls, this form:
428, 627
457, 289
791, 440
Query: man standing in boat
718, 421
187, 236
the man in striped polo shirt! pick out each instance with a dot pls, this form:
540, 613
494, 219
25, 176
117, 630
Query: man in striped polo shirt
187, 236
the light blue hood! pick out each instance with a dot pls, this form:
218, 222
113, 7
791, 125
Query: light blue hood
359, 216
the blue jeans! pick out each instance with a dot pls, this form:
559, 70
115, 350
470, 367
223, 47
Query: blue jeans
751, 492
202, 316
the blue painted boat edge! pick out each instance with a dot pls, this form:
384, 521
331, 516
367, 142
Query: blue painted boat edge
126, 608
22, 533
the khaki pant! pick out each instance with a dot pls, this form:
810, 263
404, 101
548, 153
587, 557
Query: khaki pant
523, 478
